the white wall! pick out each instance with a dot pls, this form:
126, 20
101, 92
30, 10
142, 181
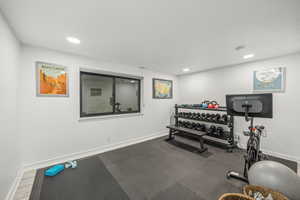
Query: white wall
10, 161
50, 126
283, 133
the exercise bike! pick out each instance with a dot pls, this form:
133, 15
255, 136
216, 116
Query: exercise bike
253, 152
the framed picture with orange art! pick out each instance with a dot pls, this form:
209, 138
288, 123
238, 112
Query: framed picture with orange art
52, 80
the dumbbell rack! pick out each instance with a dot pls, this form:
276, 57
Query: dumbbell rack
228, 142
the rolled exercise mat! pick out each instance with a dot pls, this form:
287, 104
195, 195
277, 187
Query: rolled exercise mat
52, 171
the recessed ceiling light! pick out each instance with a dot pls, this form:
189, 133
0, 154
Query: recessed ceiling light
132, 81
248, 56
73, 40
186, 69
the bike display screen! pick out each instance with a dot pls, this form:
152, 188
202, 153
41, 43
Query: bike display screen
257, 105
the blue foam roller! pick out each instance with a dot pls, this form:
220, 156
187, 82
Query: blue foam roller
52, 171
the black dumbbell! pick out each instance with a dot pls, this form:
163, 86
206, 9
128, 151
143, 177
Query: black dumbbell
189, 125
203, 127
226, 135
211, 130
224, 119
184, 124
185, 114
217, 118
212, 117
180, 123
203, 116
188, 115
207, 116
191, 115
194, 125
198, 127
194, 116
220, 131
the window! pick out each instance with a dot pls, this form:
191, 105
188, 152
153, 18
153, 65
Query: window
102, 94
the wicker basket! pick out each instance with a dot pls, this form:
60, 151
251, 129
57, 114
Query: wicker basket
235, 196
264, 191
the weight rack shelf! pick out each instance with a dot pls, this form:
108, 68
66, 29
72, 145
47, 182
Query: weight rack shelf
214, 139
191, 131
200, 120
220, 109
227, 143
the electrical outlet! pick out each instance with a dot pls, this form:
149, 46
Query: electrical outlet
246, 132
236, 138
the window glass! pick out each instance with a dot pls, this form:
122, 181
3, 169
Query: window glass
127, 95
96, 94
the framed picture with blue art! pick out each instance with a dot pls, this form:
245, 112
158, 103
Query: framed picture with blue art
162, 89
269, 80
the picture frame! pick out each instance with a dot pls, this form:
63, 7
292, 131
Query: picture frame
52, 80
269, 80
162, 88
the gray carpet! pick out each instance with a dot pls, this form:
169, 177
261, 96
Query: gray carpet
153, 170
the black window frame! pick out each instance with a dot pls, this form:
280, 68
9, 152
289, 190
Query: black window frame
114, 77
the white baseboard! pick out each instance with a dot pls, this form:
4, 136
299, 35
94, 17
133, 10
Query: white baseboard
11, 193
280, 155
276, 154
283, 156
91, 152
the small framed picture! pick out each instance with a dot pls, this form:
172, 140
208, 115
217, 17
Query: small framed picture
269, 80
162, 89
52, 80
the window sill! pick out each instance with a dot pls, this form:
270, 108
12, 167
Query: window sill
110, 116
